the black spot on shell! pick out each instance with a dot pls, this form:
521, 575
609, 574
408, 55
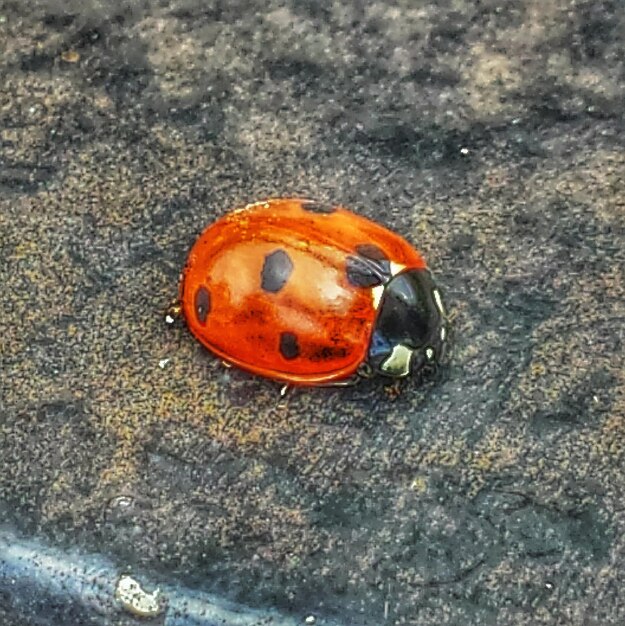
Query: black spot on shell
371, 251
370, 268
276, 271
289, 348
202, 304
318, 207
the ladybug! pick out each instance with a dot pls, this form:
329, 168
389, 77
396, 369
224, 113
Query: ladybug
311, 294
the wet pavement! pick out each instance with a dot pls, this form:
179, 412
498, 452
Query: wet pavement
489, 134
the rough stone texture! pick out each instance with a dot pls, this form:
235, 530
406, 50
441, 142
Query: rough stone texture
490, 134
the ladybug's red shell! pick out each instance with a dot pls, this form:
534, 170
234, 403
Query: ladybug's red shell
268, 288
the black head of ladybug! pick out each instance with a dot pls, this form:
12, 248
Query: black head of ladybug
411, 328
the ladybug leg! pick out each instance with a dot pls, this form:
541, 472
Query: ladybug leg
173, 313
364, 370
174, 319
393, 390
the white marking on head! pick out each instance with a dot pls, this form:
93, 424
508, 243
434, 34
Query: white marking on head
396, 268
376, 294
398, 363
429, 354
438, 301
